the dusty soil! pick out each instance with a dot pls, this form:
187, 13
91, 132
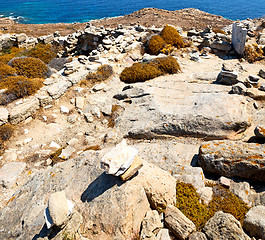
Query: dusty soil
184, 18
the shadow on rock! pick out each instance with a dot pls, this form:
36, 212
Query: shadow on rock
100, 185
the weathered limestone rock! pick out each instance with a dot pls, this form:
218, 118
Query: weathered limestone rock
3, 115
239, 89
262, 73
224, 181
239, 35
163, 234
223, 226
221, 45
71, 227
119, 159
255, 94
151, 224
64, 109
67, 152
230, 159
260, 131
159, 185
206, 194
176, 221
227, 77
80, 102
58, 208
254, 222
197, 236
136, 165
242, 190
165, 108
189, 174
56, 90
10, 172
18, 113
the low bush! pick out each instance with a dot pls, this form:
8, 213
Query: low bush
14, 52
103, 73
6, 131
156, 44
253, 53
30, 67
217, 30
19, 87
188, 202
43, 52
172, 37
140, 72
165, 42
167, 65
6, 71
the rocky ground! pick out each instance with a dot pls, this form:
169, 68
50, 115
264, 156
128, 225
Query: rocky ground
188, 126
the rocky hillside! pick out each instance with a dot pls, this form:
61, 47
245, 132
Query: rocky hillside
100, 139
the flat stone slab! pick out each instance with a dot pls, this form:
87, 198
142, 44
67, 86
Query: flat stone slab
234, 159
20, 112
10, 172
182, 109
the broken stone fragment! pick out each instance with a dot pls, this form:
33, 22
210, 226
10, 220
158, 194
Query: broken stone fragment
180, 225
136, 165
58, 208
119, 159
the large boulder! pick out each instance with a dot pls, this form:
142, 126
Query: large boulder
233, 159
110, 207
165, 107
223, 226
254, 222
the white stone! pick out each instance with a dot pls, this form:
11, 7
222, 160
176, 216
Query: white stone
10, 172
79, 102
67, 152
3, 116
163, 234
239, 34
206, 194
26, 131
64, 109
27, 140
119, 159
99, 86
54, 145
73, 142
225, 181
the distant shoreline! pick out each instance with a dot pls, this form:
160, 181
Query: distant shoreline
184, 18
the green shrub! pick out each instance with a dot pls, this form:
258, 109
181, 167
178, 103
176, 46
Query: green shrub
21, 86
253, 53
140, 72
171, 36
6, 71
167, 65
43, 52
188, 202
156, 44
30, 67
6, 131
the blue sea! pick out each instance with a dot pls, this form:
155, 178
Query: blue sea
69, 11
